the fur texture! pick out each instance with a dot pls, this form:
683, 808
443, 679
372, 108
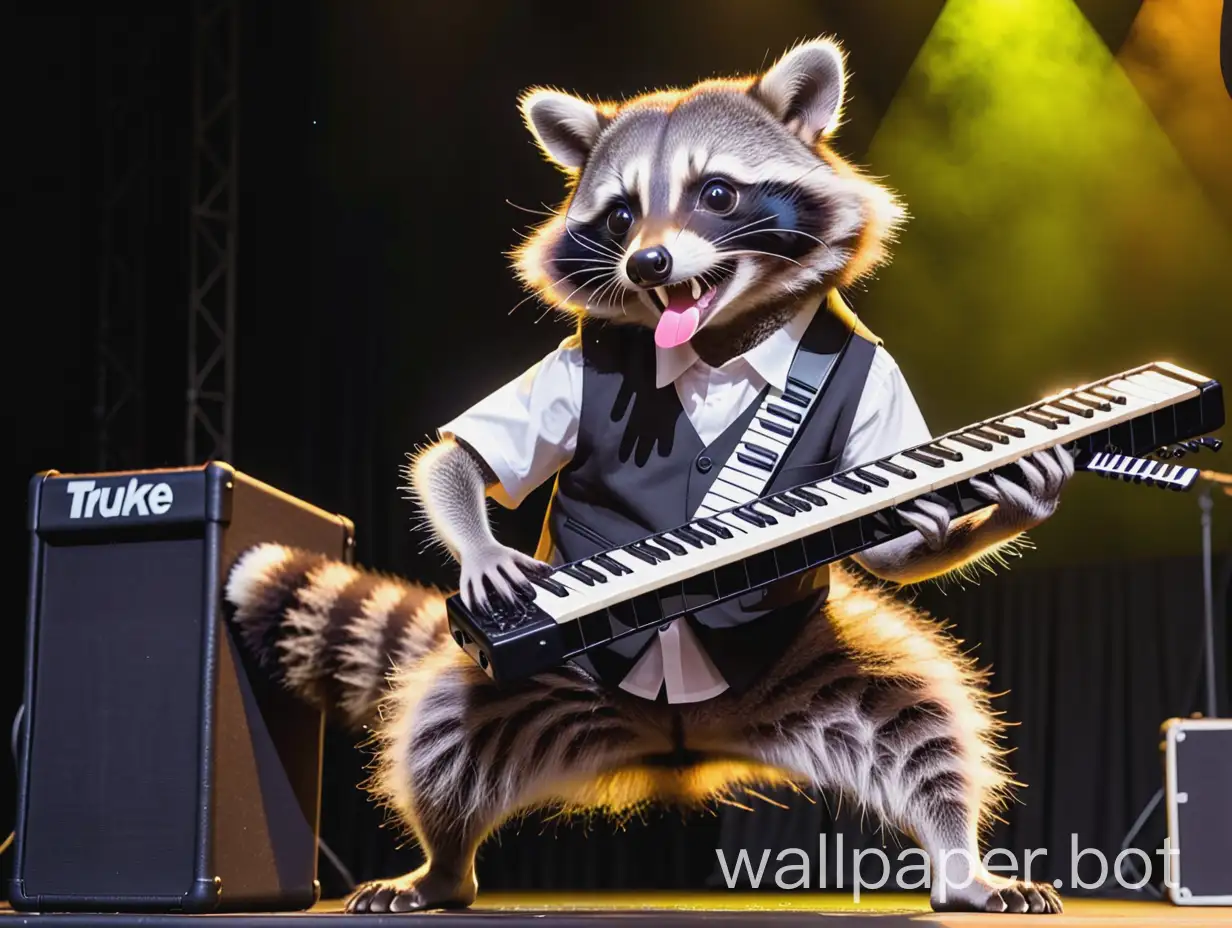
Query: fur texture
874, 702
723, 200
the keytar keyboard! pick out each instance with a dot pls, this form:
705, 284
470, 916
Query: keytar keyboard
1110, 425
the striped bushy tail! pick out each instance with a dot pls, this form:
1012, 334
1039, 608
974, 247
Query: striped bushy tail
329, 632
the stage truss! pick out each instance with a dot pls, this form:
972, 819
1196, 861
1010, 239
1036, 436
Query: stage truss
212, 233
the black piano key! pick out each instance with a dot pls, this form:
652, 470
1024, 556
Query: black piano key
990, 435
751, 461
898, 471
1074, 408
761, 568
869, 477
777, 506
547, 583
1110, 395
977, 443
597, 575
1038, 419
577, 574
1012, 430
789, 414
656, 551
1043, 410
855, 485
790, 558
798, 504
611, 565
641, 555
1092, 402
924, 458
777, 428
817, 499
761, 452
731, 579
942, 451
715, 528
674, 547
753, 520
765, 517
696, 534
686, 538
801, 386
795, 399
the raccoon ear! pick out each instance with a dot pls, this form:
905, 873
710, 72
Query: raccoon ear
804, 89
565, 126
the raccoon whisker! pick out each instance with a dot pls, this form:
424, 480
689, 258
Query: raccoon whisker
539, 293
600, 261
559, 303
785, 231
593, 247
527, 209
599, 296
722, 238
752, 251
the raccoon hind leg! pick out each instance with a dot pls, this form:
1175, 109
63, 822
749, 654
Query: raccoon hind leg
461, 755
878, 704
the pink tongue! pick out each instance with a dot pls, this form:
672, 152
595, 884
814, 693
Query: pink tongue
676, 327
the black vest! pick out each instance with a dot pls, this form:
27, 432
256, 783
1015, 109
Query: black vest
640, 468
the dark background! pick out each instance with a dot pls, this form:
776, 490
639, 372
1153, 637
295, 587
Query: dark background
379, 142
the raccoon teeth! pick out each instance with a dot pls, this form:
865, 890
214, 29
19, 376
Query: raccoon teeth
661, 293
697, 287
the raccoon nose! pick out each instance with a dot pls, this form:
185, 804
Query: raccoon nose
650, 266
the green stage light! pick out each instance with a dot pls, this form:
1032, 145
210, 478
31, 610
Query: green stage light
1056, 233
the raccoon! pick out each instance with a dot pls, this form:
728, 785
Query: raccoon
705, 231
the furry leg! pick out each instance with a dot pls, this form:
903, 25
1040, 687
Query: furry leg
461, 755
879, 705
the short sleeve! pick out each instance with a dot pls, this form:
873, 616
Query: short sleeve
527, 430
887, 418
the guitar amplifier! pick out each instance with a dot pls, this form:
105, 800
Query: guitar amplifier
156, 774
1198, 796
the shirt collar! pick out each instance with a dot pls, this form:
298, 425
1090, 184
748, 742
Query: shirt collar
770, 359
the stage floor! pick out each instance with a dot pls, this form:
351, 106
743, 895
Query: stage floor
685, 909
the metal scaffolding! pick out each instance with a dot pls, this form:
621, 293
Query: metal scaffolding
124, 50
211, 301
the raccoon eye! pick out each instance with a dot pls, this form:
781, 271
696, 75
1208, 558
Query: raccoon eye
619, 220
718, 197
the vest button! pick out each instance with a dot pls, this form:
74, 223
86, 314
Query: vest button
704, 464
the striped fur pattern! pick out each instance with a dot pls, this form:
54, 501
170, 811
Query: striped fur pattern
874, 702
327, 631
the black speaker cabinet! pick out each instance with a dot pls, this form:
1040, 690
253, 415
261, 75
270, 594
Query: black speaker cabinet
1198, 797
155, 773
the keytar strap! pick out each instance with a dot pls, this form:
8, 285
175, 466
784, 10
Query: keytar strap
783, 414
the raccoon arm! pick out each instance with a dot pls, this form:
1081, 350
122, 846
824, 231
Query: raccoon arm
913, 558
451, 482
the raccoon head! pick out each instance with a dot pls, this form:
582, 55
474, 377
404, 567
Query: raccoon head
704, 208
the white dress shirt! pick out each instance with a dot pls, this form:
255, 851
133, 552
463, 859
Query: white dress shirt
527, 431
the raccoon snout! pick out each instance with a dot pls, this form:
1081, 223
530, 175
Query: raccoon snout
650, 266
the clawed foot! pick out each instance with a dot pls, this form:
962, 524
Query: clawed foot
497, 570
414, 892
1002, 896
1045, 472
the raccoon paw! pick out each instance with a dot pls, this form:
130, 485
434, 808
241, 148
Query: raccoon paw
416, 891
1045, 472
999, 896
498, 570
